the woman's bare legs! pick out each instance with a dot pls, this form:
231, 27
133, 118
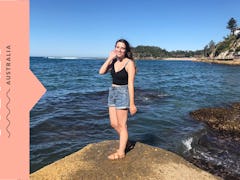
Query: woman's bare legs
122, 127
113, 118
118, 120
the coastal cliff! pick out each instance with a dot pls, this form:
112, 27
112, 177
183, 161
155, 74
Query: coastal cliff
224, 52
142, 162
228, 49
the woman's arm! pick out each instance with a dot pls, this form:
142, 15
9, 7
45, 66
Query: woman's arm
131, 76
105, 67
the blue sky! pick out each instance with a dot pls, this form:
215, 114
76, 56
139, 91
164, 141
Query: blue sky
89, 28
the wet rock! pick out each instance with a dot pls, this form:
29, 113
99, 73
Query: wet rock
217, 151
226, 121
142, 162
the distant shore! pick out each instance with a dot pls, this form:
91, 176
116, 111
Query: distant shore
168, 59
180, 59
215, 61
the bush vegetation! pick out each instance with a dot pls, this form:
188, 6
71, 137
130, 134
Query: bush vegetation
157, 52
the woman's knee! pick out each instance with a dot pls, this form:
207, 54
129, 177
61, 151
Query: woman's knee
114, 125
122, 126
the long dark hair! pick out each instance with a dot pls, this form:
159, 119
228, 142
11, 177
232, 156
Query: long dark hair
128, 53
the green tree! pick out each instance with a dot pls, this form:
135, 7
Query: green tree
208, 49
211, 46
205, 51
232, 25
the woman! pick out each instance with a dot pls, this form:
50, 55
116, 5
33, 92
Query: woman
121, 94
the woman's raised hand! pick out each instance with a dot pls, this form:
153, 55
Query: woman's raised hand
112, 55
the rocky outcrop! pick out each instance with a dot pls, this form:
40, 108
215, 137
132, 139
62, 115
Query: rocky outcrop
226, 121
143, 162
228, 49
222, 141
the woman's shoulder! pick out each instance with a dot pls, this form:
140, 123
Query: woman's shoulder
129, 61
130, 64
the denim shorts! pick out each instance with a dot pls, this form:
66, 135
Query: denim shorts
118, 97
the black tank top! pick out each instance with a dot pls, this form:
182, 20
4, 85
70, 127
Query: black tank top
120, 77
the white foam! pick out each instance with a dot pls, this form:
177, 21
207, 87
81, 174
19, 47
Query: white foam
146, 98
188, 143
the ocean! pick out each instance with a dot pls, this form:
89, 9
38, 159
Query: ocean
73, 112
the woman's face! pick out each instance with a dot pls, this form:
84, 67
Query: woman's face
120, 49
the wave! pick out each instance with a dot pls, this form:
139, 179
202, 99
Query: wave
212, 153
188, 143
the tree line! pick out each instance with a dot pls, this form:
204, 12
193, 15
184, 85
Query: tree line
155, 52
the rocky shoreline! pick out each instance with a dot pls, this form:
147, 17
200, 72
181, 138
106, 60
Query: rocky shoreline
142, 162
224, 137
220, 61
211, 61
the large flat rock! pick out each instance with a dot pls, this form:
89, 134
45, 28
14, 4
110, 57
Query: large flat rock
143, 162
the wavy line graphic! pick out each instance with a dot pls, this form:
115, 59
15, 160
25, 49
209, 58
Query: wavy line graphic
9, 112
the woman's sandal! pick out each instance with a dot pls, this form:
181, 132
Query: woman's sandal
116, 156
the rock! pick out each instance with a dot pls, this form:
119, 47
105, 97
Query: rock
225, 55
143, 162
233, 62
223, 120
